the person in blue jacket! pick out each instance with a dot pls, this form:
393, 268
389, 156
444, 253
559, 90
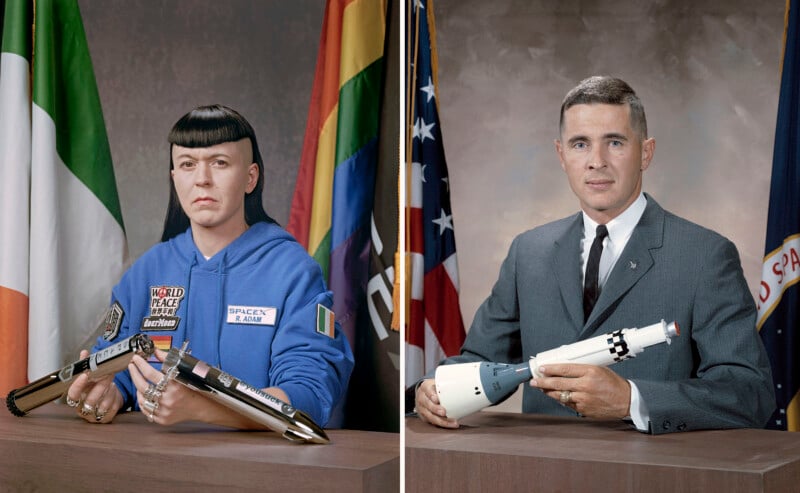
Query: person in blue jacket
229, 280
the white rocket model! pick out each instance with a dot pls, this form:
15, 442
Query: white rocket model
466, 388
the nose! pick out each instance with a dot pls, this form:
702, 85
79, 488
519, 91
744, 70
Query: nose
597, 158
202, 175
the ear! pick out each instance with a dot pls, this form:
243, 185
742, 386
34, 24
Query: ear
648, 150
559, 152
252, 177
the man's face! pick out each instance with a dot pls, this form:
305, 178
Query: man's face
603, 157
211, 183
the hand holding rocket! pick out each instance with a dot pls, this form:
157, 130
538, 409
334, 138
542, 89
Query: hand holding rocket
469, 387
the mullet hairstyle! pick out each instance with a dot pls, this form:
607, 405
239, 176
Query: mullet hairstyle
601, 89
207, 126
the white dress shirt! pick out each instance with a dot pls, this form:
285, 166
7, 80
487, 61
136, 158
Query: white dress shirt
620, 230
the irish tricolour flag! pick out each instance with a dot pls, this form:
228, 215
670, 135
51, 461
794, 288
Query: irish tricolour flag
62, 241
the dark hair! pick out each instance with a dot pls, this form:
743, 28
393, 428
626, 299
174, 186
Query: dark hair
206, 126
601, 89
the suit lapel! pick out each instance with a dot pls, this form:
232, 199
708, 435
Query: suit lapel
567, 270
633, 263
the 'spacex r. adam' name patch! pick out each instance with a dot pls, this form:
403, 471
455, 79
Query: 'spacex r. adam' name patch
253, 315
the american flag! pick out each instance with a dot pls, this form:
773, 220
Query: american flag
435, 328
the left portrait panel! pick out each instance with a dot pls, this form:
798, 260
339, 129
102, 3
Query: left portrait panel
245, 155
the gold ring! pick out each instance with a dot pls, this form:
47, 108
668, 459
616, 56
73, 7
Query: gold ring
86, 409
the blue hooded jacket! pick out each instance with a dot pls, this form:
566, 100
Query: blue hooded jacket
251, 310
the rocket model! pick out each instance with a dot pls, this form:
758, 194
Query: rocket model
107, 361
466, 388
293, 424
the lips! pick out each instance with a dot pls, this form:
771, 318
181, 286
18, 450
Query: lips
203, 200
599, 183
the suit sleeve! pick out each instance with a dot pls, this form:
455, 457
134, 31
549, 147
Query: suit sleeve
731, 383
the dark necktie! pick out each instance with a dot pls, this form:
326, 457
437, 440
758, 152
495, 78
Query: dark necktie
591, 288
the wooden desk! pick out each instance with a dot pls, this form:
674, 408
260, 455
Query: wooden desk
514, 452
51, 449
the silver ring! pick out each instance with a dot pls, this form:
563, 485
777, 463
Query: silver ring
72, 403
151, 416
565, 396
162, 384
150, 405
86, 410
99, 415
152, 393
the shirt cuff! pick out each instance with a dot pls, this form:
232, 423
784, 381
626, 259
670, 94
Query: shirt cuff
639, 413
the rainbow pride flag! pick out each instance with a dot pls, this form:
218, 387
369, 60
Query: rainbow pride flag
333, 196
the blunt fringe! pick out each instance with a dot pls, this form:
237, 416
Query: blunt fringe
207, 126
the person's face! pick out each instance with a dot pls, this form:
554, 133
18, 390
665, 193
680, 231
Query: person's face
603, 158
211, 183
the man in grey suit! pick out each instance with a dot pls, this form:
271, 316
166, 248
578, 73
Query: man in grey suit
653, 266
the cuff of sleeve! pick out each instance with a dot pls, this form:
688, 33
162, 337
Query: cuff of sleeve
638, 411
312, 405
125, 386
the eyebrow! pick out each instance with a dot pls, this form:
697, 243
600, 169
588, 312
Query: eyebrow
608, 136
614, 136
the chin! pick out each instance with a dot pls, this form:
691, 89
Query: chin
202, 223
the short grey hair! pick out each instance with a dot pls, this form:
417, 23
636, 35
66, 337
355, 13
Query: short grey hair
602, 89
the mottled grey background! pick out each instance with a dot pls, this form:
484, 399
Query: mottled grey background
707, 72
156, 60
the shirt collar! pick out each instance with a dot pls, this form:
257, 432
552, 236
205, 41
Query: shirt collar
621, 227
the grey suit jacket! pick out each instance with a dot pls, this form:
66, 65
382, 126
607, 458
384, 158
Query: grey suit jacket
714, 375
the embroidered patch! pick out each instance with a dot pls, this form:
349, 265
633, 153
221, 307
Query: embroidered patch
112, 321
163, 343
159, 323
325, 321
165, 300
255, 315
164, 304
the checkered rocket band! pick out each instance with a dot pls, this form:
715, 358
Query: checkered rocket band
617, 346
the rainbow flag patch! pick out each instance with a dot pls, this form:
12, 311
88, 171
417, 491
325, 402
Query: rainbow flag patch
163, 343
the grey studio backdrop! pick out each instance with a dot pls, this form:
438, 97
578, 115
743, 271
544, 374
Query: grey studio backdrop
708, 74
156, 60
